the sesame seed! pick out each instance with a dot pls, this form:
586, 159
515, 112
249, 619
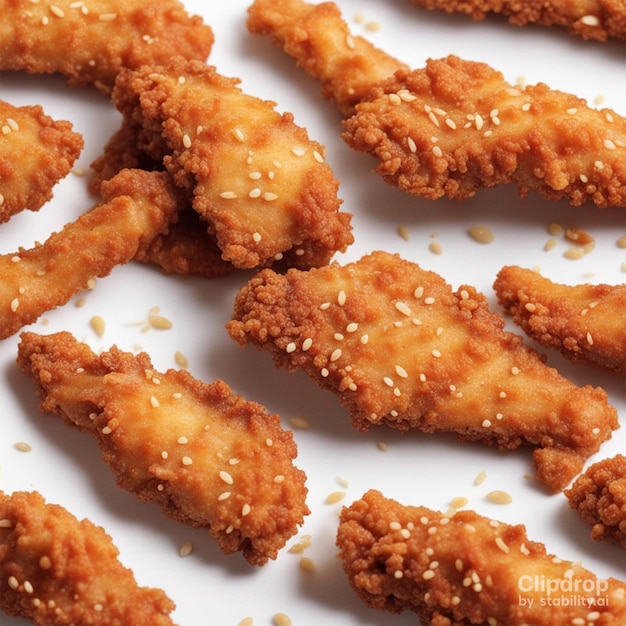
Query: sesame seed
226, 477
401, 371
186, 141
429, 300
609, 145
15, 303
186, 549
341, 298
187, 460
228, 195
403, 308
224, 496
154, 402
107, 17
590, 20
6, 523
298, 151
245, 510
255, 193
481, 234
307, 343
486, 423
13, 583
428, 574
436, 353
335, 355
480, 478
500, 543
336, 496
291, 347
530, 307
268, 196
22, 446
499, 497
411, 144
437, 151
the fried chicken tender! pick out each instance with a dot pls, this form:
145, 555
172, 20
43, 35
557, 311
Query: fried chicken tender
600, 497
591, 19
261, 185
316, 36
136, 207
586, 323
400, 348
90, 42
57, 570
208, 457
466, 569
35, 153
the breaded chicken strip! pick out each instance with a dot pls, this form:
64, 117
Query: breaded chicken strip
591, 19
136, 207
400, 348
89, 42
586, 322
258, 181
599, 495
208, 457
466, 569
35, 153
57, 570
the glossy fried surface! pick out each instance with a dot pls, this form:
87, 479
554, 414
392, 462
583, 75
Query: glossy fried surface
456, 126
89, 42
585, 322
316, 36
58, 570
208, 457
136, 207
349, 329
599, 495
35, 153
591, 19
466, 569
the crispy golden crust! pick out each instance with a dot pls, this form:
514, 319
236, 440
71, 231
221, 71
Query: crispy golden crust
57, 570
591, 19
586, 322
456, 126
315, 35
90, 42
35, 153
349, 328
208, 457
136, 207
599, 495
466, 569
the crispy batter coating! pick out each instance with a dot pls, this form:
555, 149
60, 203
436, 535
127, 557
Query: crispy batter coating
456, 126
258, 181
208, 457
35, 153
136, 207
57, 570
316, 36
591, 19
599, 495
400, 348
89, 42
586, 323
466, 569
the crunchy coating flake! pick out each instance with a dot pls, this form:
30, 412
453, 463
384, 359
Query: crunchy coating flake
57, 570
209, 458
466, 569
586, 323
400, 348
599, 495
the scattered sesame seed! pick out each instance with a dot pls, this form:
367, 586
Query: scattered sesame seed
481, 234
403, 231
22, 446
499, 497
282, 619
98, 325
336, 496
186, 549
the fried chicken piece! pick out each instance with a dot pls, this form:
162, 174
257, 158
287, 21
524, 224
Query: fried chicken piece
261, 185
466, 569
35, 153
600, 497
591, 19
90, 42
586, 323
208, 457
400, 348
136, 207
316, 36
56, 569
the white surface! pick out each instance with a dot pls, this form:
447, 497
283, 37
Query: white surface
207, 586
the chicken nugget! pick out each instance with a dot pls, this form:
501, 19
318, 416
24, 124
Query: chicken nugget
89, 42
591, 19
35, 153
599, 495
466, 569
57, 570
400, 348
586, 323
259, 182
136, 207
208, 457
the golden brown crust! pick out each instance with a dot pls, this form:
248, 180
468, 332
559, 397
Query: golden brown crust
465, 569
456, 126
57, 570
208, 457
35, 153
586, 323
90, 42
349, 327
599, 495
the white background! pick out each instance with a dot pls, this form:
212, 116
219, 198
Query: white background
207, 586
